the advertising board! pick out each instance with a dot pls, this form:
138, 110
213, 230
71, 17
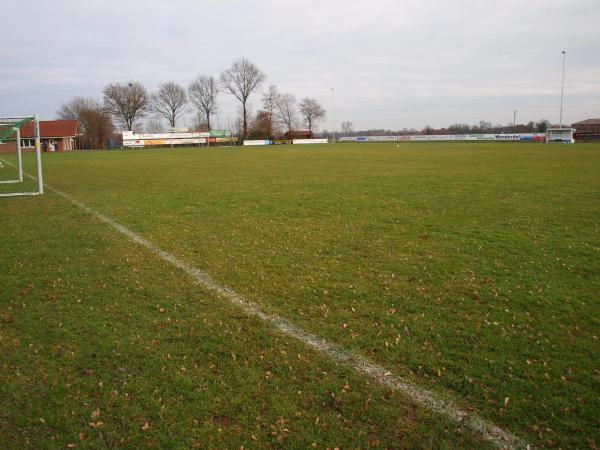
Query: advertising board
530, 137
219, 133
257, 142
310, 141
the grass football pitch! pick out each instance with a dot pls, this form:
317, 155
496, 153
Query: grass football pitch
471, 270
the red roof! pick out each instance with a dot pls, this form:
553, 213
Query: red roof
298, 134
588, 122
52, 128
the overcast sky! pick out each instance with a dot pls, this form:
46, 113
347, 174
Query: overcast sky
392, 64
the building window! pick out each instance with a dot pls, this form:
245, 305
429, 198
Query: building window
26, 142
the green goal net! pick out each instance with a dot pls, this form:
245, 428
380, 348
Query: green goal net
12, 180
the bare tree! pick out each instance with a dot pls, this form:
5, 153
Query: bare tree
169, 101
269, 101
427, 130
286, 110
461, 128
262, 126
484, 126
95, 122
241, 79
127, 102
311, 111
543, 125
347, 127
199, 123
203, 93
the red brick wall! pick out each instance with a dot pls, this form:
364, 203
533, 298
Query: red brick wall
8, 147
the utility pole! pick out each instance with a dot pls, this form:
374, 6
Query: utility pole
562, 88
515, 120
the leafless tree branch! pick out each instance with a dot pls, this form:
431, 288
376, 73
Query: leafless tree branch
311, 111
169, 101
203, 93
127, 102
286, 110
95, 122
241, 80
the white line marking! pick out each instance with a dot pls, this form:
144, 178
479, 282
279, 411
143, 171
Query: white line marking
422, 396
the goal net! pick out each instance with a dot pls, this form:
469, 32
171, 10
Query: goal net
13, 181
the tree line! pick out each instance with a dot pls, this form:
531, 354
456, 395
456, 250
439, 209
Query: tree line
483, 127
128, 103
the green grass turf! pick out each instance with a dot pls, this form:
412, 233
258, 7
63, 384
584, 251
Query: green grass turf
10, 173
472, 269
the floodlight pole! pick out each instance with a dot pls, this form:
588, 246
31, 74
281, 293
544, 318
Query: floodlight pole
562, 88
515, 121
38, 154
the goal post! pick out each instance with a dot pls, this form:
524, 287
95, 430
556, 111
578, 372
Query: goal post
11, 127
17, 132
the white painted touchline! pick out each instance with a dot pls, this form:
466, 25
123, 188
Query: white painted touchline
422, 396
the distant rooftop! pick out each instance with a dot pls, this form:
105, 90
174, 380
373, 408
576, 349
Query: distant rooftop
588, 122
52, 128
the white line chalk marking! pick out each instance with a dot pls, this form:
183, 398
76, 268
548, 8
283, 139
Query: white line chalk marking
422, 396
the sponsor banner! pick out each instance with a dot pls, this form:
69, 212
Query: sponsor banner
382, 138
310, 141
185, 141
507, 137
148, 142
129, 135
219, 133
426, 138
226, 139
257, 142
525, 137
531, 138
133, 143
281, 142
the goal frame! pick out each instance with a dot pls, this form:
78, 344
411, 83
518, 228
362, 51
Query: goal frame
38, 155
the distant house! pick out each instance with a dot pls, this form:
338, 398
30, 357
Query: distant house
298, 134
59, 134
587, 130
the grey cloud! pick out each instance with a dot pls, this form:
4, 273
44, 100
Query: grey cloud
393, 64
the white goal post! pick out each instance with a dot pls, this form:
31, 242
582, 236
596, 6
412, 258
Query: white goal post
9, 127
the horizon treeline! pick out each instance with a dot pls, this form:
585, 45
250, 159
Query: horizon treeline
131, 106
